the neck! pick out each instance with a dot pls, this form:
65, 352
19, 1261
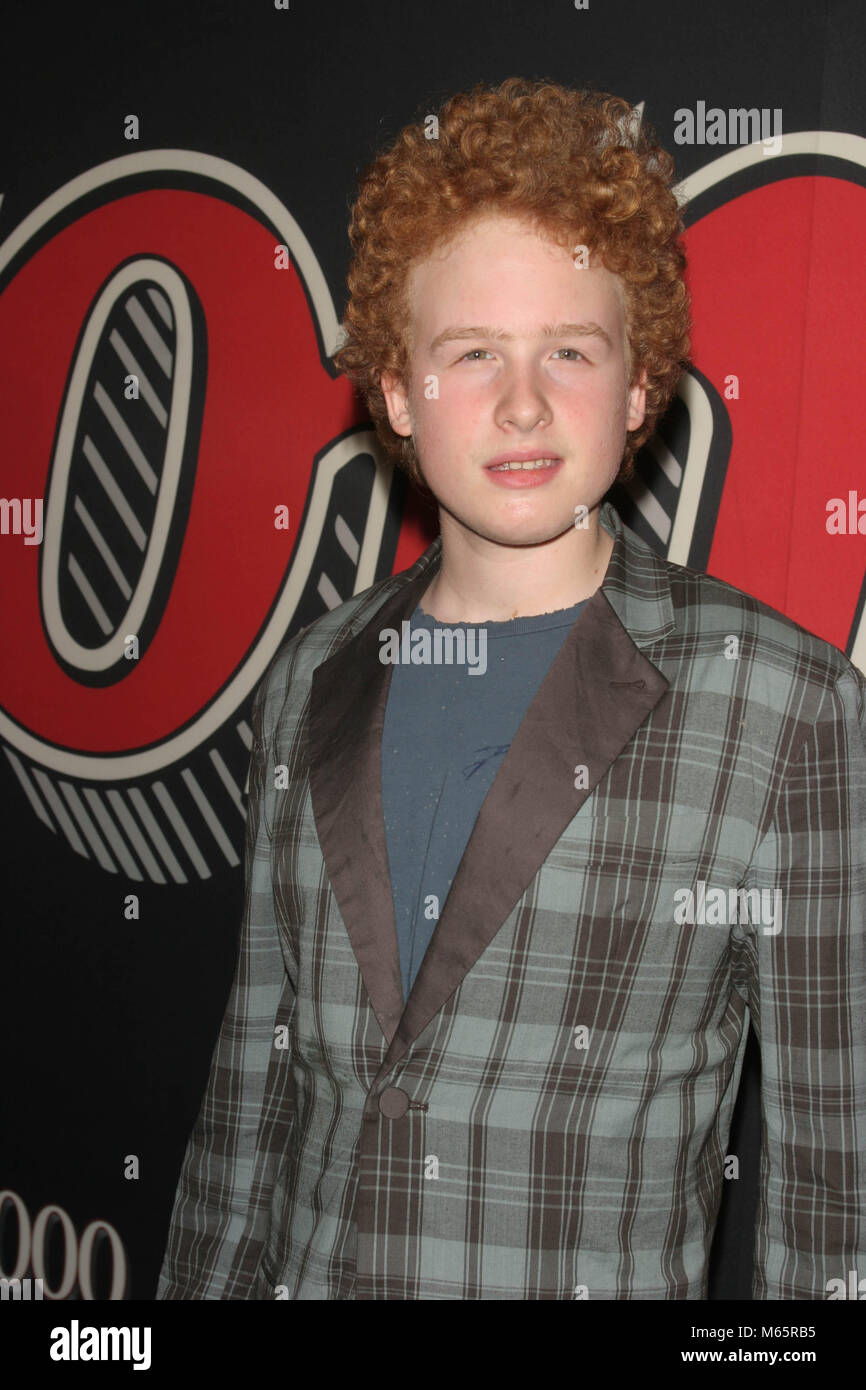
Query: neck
482, 581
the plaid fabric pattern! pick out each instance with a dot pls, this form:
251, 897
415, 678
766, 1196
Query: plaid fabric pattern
547, 1116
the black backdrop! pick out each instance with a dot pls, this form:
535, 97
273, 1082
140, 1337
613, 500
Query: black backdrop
109, 1023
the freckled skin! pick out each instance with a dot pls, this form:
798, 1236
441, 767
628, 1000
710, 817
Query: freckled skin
512, 552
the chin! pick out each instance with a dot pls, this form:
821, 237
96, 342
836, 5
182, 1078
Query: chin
517, 532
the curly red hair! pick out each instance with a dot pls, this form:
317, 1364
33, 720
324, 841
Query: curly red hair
575, 163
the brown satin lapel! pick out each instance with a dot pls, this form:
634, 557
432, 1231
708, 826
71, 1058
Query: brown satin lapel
347, 715
598, 691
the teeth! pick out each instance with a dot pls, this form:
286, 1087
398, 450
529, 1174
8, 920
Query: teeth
532, 463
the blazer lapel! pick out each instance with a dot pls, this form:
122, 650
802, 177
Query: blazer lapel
347, 716
597, 693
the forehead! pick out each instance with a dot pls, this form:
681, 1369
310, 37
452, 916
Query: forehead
507, 260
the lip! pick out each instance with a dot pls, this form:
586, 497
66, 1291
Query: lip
521, 456
520, 477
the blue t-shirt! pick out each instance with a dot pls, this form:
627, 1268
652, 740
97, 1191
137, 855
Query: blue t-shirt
448, 727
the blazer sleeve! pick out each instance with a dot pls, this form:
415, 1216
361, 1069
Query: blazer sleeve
221, 1214
807, 998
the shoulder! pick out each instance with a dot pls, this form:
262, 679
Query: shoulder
781, 656
685, 620
293, 665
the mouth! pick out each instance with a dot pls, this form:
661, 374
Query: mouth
522, 465
522, 473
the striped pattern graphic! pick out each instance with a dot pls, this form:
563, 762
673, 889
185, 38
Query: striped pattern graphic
174, 829
116, 470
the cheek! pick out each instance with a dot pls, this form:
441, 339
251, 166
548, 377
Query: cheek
603, 407
452, 412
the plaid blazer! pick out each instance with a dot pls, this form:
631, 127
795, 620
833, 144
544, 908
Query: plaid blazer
675, 844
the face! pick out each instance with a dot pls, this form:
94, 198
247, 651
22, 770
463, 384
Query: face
517, 353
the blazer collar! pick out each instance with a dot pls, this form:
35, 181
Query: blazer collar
636, 583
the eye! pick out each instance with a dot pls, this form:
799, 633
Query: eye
471, 354
574, 350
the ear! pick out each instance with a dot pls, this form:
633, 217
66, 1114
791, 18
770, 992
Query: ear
637, 402
397, 402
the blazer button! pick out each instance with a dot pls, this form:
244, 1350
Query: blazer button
393, 1102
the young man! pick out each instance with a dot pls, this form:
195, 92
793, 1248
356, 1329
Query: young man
557, 818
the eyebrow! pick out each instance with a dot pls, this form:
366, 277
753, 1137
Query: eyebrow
457, 333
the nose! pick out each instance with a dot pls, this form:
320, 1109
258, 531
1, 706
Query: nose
523, 403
